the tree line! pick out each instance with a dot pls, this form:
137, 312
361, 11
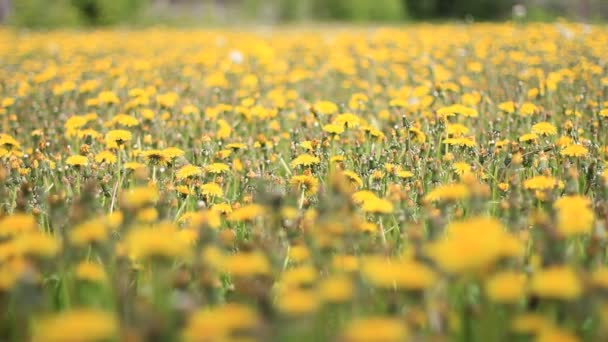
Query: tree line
50, 13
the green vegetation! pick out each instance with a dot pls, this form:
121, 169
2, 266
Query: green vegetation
71, 13
38, 14
54, 13
359, 10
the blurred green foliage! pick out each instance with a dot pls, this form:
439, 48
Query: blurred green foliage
359, 10
394, 10
52, 13
443, 9
539, 14
38, 13
68, 13
107, 12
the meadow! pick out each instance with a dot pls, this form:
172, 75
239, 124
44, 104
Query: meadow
409, 183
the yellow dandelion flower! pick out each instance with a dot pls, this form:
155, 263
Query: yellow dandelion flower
484, 239
554, 334
173, 152
155, 156
462, 141
147, 215
346, 263
528, 109
90, 271
378, 206
325, 107
334, 129
564, 141
349, 120
222, 208
107, 97
304, 160
457, 109
544, 128
224, 130
114, 220
337, 159
599, 278
7, 102
449, 192
336, 289
570, 112
502, 143
298, 253
246, 264
385, 329
506, 287
217, 168
363, 196
75, 122
556, 282
353, 178
404, 174
188, 171
247, 213
574, 150
9, 142
147, 114
528, 137
221, 323
357, 101
310, 184
190, 110
139, 197
212, 190
167, 100
574, 215
87, 324
457, 130
507, 107
156, 242
17, 224
503, 187
90, 133
399, 103
117, 137
307, 144
461, 168
540, 183
205, 218
377, 175
417, 134
107, 157
134, 166
391, 168
37, 244
298, 302
12, 271
530, 323
93, 231
77, 161
399, 274
124, 120
298, 277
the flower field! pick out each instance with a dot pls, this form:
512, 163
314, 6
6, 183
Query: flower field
425, 182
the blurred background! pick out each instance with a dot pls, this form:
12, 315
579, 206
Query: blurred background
73, 13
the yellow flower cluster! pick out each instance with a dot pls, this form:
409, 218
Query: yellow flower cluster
429, 182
